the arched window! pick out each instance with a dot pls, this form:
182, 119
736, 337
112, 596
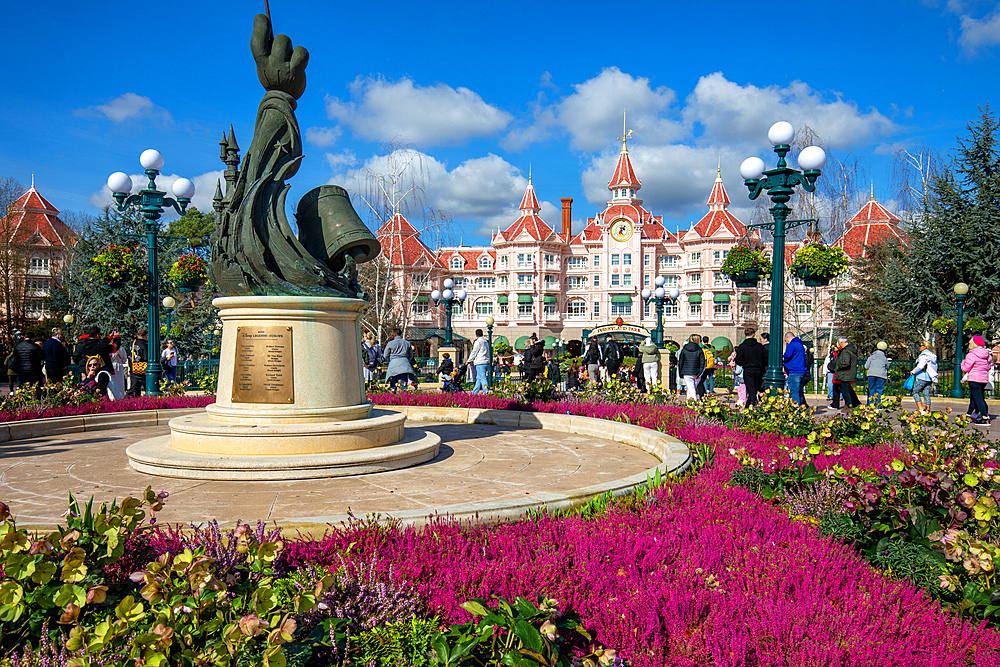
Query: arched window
576, 308
485, 262
456, 262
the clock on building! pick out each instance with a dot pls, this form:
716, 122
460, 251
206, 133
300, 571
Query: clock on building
621, 230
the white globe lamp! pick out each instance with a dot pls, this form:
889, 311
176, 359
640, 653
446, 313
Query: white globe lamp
151, 159
461, 294
781, 133
183, 188
436, 294
812, 157
449, 283
169, 302
120, 182
646, 293
659, 281
674, 292
659, 292
448, 294
752, 169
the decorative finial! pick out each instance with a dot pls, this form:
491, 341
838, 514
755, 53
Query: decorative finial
626, 134
873, 190
529, 173
718, 174
32, 181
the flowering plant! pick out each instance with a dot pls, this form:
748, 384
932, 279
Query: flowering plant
946, 326
742, 259
189, 268
115, 264
821, 260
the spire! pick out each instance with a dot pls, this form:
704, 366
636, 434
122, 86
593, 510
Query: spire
217, 199
718, 173
529, 203
626, 134
231, 142
873, 191
32, 181
718, 200
624, 176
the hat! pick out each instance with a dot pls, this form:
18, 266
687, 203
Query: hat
979, 340
882, 345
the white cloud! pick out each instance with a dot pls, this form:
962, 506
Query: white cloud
979, 33
127, 107
729, 112
436, 115
323, 136
204, 190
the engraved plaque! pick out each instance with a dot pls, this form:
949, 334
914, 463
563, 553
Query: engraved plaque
262, 372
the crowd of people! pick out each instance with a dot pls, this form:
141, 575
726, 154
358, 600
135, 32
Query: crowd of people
106, 366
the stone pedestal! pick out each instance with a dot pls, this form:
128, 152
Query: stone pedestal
290, 386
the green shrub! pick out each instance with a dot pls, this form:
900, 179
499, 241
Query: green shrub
394, 644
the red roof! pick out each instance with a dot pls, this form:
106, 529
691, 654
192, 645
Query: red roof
401, 243
529, 221
624, 173
872, 224
529, 203
397, 225
718, 217
33, 217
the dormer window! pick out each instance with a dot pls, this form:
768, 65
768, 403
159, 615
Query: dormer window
485, 263
456, 262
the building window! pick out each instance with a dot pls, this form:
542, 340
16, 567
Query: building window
694, 279
457, 263
502, 309
614, 280
34, 308
550, 261
645, 280
39, 264
503, 261
525, 309
576, 309
669, 261
694, 259
574, 262
549, 310
597, 280
671, 309
504, 282
719, 279
485, 263
460, 283
525, 260
419, 282
458, 308
645, 309
671, 281
694, 309
37, 285
647, 260
422, 310
576, 282
765, 308
597, 261
597, 309
615, 258
525, 279
718, 257
550, 282
627, 259
804, 307
720, 311
486, 283
484, 308
621, 309
627, 280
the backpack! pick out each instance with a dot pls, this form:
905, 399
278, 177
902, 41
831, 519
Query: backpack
832, 365
614, 351
374, 356
709, 357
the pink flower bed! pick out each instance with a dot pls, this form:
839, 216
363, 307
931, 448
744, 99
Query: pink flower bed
704, 575
101, 407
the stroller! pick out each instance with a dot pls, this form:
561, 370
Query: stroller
457, 381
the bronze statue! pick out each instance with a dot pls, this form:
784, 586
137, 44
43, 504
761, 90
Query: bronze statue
254, 250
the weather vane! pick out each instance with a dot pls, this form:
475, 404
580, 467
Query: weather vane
626, 134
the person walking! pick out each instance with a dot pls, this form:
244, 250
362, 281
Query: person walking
399, 352
592, 359
976, 367
847, 373
169, 359
11, 363
56, 357
371, 357
691, 364
708, 380
137, 367
828, 370
650, 363
925, 374
877, 367
741, 387
794, 362
613, 357
29, 360
534, 359
480, 360
752, 356
119, 364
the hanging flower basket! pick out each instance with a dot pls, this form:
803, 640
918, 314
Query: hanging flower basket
188, 273
746, 267
115, 266
816, 264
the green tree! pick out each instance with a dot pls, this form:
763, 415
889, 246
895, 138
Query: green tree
194, 226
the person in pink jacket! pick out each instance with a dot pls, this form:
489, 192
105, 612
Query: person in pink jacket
976, 367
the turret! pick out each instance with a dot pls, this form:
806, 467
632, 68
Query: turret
217, 199
232, 160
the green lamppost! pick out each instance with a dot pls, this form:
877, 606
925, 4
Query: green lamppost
151, 204
489, 339
961, 292
449, 299
659, 296
780, 183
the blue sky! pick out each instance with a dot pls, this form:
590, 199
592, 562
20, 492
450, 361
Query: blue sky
483, 91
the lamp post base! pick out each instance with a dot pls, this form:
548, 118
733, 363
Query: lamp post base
774, 380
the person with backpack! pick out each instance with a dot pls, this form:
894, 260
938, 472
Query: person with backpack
925, 374
372, 356
752, 357
706, 380
592, 360
613, 357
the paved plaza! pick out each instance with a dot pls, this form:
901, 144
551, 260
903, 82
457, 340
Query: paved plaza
476, 463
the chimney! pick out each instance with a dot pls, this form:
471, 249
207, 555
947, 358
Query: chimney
567, 219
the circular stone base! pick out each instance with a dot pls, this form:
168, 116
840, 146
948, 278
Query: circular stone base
201, 434
155, 456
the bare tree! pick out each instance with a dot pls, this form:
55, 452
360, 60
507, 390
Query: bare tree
13, 255
913, 172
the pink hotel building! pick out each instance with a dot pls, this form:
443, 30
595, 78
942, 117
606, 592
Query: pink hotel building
534, 279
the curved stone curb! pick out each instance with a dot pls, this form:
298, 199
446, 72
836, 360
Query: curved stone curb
36, 428
674, 455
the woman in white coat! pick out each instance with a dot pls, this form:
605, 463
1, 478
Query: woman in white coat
119, 362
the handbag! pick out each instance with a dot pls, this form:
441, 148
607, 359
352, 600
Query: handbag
908, 385
138, 367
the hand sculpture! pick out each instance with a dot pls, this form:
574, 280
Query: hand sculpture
279, 67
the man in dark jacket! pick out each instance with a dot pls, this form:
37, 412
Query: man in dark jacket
28, 361
752, 356
691, 364
613, 357
847, 373
534, 359
139, 355
92, 344
56, 357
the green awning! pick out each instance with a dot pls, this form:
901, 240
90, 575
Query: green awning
621, 298
721, 298
500, 339
502, 299
550, 342
521, 343
421, 299
694, 298
549, 298
745, 298
524, 298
